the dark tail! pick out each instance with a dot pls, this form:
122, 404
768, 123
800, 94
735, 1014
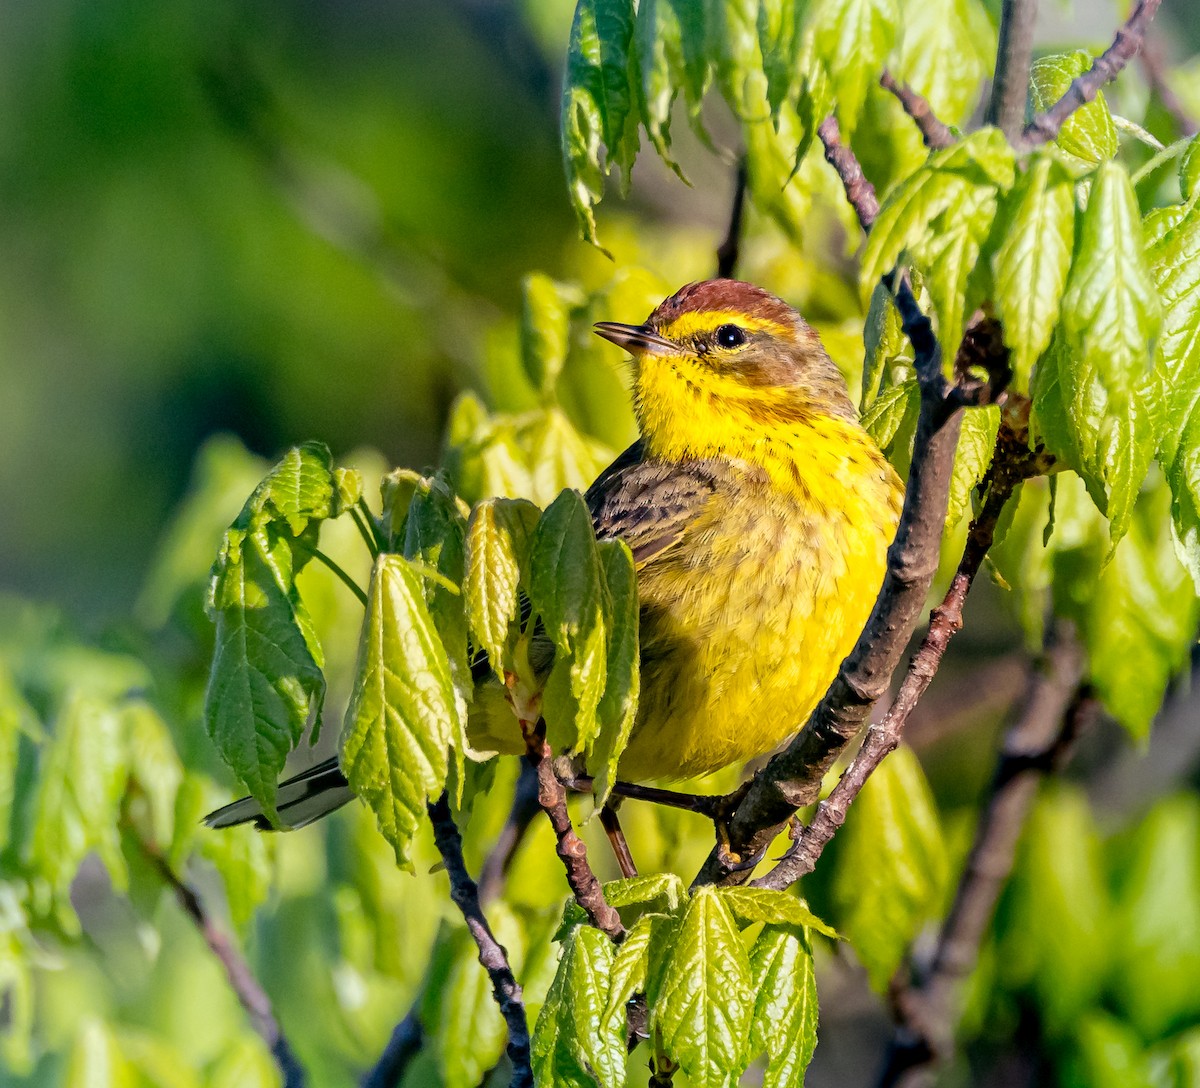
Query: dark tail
310, 795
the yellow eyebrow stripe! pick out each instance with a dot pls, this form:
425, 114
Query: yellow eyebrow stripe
704, 321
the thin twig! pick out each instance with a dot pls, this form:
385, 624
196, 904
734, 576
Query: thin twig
552, 796
791, 780
1010, 88
402, 1047
727, 251
1105, 68
408, 1035
492, 955
934, 132
1056, 708
525, 807
1012, 464
250, 994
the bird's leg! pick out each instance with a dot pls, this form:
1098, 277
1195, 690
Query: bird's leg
616, 839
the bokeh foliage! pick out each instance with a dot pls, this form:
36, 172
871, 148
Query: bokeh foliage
357, 235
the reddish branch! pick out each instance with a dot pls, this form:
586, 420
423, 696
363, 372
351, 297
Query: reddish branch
933, 131
250, 994
492, 955
1010, 88
1056, 709
1105, 68
552, 796
1012, 463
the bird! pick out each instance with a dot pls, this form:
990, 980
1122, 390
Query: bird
758, 512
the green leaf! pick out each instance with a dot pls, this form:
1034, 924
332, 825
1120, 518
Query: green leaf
403, 716
1174, 259
891, 421
946, 50
596, 100
1189, 169
568, 594
1140, 619
645, 889
853, 39
778, 44
704, 995
1054, 926
658, 46
1157, 959
884, 345
78, 803
96, 1060
972, 458
732, 27
545, 328
266, 679
617, 710
574, 1042
242, 856
496, 552
891, 865
1096, 402
1037, 228
244, 1063
1108, 1054
940, 216
17, 987
750, 905
784, 1024
16, 718
631, 964
1089, 134
154, 766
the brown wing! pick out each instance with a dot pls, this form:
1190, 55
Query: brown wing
648, 503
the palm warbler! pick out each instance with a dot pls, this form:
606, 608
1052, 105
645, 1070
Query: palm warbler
758, 512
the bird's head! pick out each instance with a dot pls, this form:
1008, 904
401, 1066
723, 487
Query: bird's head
720, 358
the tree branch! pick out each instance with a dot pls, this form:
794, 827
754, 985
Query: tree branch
727, 251
1010, 88
1013, 462
1105, 68
933, 131
1154, 65
250, 994
552, 796
492, 955
1057, 707
402, 1047
792, 778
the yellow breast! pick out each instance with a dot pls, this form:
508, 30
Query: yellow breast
746, 619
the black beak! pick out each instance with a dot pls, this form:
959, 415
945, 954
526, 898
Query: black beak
637, 338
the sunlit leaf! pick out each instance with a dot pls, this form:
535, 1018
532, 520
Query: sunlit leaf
784, 1024
574, 1043
853, 37
403, 716
1089, 134
750, 905
545, 328
1037, 221
96, 1060
596, 100
972, 458
496, 550
704, 998
78, 801
617, 709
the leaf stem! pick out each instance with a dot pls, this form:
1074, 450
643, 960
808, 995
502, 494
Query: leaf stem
369, 528
1171, 151
346, 580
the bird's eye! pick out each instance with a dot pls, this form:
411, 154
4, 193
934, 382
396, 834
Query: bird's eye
730, 336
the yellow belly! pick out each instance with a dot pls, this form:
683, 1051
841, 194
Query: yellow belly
744, 625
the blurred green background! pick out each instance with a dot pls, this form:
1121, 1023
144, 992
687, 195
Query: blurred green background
311, 219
